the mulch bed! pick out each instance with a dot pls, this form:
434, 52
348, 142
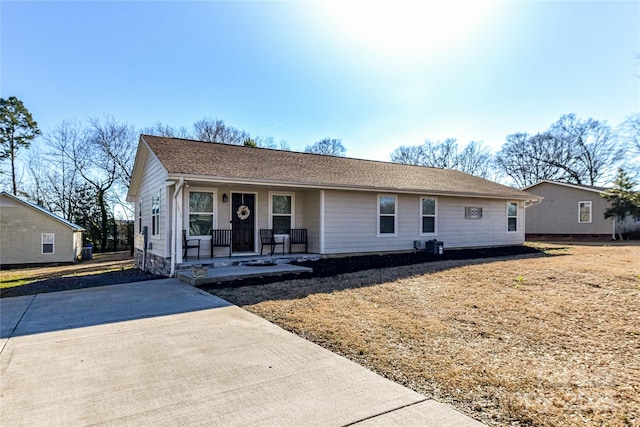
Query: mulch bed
327, 267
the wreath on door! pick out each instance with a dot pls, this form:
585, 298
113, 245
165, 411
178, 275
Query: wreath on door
243, 212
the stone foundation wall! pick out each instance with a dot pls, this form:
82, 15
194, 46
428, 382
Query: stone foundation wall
153, 264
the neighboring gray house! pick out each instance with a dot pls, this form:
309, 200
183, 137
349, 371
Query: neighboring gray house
571, 210
30, 234
348, 206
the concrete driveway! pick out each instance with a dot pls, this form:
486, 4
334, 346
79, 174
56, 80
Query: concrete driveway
165, 353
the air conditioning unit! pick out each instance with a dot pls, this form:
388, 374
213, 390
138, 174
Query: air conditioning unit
419, 245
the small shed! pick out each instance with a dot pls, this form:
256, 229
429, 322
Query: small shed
30, 234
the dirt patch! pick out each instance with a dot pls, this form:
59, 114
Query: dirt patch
545, 338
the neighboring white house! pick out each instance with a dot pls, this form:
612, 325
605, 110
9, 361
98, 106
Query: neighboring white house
348, 206
571, 210
30, 234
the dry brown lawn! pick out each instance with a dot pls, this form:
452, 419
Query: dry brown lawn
550, 339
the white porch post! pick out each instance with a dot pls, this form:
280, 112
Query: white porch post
321, 221
178, 225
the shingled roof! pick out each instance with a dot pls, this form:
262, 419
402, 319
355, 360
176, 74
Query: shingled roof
182, 157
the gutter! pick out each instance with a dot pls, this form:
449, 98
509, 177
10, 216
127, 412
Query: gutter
319, 186
174, 240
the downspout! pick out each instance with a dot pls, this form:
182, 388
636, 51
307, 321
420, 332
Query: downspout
174, 240
613, 232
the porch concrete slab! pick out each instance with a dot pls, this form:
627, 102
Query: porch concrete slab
165, 353
225, 274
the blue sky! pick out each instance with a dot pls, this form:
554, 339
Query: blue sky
378, 75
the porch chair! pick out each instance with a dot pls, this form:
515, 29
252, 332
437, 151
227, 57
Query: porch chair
189, 244
298, 236
268, 239
220, 239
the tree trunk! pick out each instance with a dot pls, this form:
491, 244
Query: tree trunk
104, 226
13, 167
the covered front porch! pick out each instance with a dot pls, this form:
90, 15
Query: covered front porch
227, 223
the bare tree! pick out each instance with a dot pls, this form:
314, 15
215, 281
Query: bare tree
440, 154
628, 136
594, 152
475, 158
215, 130
571, 150
161, 129
408, 155
55, 179
327, 147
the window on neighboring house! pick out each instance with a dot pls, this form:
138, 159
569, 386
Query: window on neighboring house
48, 239
201, 211
512, 217
428, 215
584, 211
140, 216
387, 223
282, 208
155, 215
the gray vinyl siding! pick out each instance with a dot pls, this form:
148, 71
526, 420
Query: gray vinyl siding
153, 182
21, 229
351, 223
558, 212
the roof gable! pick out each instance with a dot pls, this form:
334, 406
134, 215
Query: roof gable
42, 210
594, 189
240, 164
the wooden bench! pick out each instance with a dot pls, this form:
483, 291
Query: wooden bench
268, 239
220, 239
298, 236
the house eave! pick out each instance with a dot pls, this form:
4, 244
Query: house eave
320, 186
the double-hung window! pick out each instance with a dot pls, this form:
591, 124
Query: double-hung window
584, 212
512, 217
201, 209
282, 208
387, 215
155, 214
427, 215
48, 240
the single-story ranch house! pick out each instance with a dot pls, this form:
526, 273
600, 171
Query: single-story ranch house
184, 189
573, 211
30, 234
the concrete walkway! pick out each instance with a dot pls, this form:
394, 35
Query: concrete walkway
165, 353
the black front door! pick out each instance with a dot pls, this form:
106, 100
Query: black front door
242, 209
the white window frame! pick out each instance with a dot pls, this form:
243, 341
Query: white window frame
395, 216
586, 203
155, 215
512, 216
52, 243
435, 216
293, 208
214, 219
